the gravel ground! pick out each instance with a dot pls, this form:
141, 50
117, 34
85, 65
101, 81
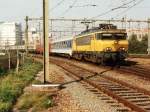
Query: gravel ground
65, 102
76, 98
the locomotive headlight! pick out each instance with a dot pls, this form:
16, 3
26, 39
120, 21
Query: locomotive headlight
122, 49
108, 49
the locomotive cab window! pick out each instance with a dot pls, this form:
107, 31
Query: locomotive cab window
100, 36
107, 36
120, 36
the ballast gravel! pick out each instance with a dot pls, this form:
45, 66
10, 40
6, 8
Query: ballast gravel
76, 98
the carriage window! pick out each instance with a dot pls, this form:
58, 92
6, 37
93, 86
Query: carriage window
85, 40
69, 44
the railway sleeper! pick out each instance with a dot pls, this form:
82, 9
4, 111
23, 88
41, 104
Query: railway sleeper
115, 105
106, 98
135, 97
124, 92
93, 90
122, 110
118, 89
144, 104
111, 102
147, 108
101, 95
139, 100
114, 86
106, 83
131, 94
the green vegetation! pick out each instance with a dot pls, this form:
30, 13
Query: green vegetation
12, 85
37, 101
138, 47
2, 71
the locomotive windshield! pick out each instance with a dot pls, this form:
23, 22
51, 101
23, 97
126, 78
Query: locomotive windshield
120, 36
113, 36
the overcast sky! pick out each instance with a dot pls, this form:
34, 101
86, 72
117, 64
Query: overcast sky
16, 10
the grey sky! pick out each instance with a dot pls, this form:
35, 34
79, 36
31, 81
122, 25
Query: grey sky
16, 10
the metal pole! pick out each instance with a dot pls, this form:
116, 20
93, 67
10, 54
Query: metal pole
9, 59
18, 61
40, 33
46, 40
26, 34
148, 37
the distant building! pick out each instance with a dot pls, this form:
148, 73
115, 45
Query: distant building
33, 37
10, 33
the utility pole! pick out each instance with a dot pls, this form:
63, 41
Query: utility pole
148, 37
26, 34
46, 40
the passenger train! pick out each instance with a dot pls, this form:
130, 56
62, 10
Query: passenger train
102, 44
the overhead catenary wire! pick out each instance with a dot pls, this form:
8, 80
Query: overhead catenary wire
58, 4
113, 9
87, 5
121, 13
70, 7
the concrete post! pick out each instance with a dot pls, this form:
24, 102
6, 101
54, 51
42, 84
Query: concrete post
148, 37
46, 40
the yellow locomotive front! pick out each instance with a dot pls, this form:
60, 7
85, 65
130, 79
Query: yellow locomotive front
104, 44
112, 44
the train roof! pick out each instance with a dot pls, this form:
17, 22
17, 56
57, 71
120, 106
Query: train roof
62, 39
103, 28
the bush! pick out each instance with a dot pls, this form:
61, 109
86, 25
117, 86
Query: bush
2, 71
12, 85
138, 47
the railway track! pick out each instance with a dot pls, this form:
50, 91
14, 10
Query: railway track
143, 72
139, 56
136, 70
133, 98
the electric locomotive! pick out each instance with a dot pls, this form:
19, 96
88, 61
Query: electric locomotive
105, 43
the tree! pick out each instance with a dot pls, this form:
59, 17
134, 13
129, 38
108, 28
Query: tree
138, 47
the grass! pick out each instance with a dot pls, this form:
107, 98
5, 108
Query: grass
12, 85
37, 101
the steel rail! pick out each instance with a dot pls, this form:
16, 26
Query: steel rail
106, 91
